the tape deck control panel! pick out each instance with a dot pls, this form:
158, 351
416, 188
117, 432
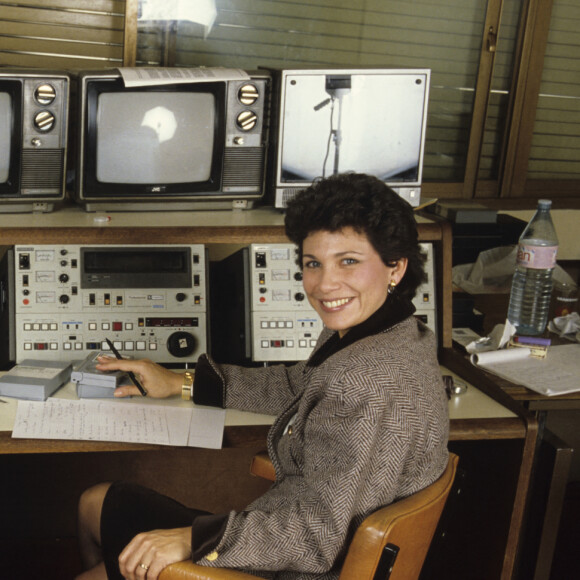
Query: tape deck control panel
261, 312
151, 301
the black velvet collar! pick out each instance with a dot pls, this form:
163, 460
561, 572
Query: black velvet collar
394, 310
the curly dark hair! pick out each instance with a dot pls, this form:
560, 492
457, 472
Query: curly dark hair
366, 204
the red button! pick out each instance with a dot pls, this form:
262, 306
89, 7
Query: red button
117, 326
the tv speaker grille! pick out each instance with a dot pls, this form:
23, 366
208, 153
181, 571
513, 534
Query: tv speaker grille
42, 169
243, 167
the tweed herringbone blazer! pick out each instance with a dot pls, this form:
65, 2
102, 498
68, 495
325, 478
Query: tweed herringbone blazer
365, 427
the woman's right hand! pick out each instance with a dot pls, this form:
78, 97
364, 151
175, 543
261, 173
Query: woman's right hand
158, 381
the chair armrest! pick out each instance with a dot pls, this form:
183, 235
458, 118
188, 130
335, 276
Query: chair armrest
190, 571
261, 466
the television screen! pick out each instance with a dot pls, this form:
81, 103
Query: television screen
5, 135
152, 137
334, 122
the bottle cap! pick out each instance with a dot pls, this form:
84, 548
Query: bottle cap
544, 203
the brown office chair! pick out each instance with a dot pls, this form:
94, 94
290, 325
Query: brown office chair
390, 544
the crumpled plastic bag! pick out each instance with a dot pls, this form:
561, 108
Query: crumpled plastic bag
493, 271
566, 326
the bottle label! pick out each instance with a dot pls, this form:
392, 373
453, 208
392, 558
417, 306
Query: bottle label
537, 257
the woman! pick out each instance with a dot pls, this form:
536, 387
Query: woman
361, 423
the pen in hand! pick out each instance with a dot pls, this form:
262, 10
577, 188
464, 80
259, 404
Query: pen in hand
131, 374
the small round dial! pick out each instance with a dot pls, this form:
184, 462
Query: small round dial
246, 120
248, 94
44, 94
44, 121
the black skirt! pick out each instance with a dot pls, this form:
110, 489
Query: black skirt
130, 509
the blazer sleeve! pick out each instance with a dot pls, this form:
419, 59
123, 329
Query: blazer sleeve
267, 390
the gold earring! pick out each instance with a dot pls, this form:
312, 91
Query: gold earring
392, 286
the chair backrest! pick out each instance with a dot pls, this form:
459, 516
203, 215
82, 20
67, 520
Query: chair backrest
400, 532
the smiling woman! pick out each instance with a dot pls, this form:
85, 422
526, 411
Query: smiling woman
367, 410
344, 277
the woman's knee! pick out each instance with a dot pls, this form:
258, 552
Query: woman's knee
91, 505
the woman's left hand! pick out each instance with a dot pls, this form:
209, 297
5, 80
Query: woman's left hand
147, 554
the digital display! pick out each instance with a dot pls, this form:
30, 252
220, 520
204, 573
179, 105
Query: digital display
134, 262
144, 267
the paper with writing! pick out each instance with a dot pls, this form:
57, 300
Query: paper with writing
97, 420
556, 374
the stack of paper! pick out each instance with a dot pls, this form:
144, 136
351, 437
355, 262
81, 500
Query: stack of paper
556, 374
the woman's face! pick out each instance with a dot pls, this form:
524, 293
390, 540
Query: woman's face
344, 277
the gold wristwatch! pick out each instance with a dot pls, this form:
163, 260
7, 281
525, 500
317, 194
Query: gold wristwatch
187, 387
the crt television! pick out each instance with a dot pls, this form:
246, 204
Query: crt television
33, 139
328, 121
194, 145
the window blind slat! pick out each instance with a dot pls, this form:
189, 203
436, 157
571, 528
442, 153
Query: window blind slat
62, 33
555, 151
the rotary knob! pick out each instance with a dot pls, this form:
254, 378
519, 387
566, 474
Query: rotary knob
44, 121
45, 94
181, 344
247, 120
64, 299
248, 94
63, 278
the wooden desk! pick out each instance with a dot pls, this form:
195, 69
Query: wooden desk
496, 446
478, 419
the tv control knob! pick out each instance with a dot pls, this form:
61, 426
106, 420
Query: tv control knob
36, 142
63, 299
298, 276
44, 121
45, 94
63, 263
238, 140
63, 278
181, 344
248, 94
247, 120
299, 296
181, 297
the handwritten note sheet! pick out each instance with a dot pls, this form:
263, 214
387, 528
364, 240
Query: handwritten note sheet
96, 420
557, 374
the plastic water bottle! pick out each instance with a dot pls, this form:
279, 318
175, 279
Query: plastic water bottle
532, 281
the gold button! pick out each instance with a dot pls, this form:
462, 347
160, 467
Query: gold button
212, 556
290, 430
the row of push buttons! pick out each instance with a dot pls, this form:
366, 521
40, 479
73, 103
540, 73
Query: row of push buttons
302, 343
139, 345
276, 324
41, 326
115, 326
